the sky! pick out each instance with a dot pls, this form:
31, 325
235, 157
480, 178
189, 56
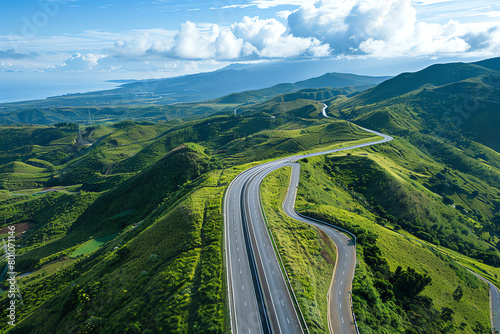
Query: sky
169, 37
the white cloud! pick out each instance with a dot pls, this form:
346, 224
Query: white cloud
260, 33
132, 47
79, 62
264, 4
494, 13
252, 38
191, 42
316, 28
283, 14
385, 28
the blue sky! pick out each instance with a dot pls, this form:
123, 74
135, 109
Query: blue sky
177, 37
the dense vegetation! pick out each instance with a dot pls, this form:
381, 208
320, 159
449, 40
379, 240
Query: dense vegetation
163, 272
121, 221
401, 285
129, 215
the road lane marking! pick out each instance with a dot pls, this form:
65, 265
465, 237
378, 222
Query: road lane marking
287, 320
282, 302
242, 287
342, 320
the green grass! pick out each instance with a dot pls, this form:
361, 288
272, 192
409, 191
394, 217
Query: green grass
158, 188
92, 245
168, 268
308, 254
324, 197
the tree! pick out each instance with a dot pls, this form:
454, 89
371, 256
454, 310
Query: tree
447, 314
458, 293
409, 283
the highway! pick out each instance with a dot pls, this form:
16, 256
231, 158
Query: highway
259, 300
323, 112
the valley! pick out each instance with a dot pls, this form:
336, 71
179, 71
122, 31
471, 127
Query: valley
127, 220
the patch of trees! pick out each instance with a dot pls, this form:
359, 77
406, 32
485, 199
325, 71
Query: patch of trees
71, 126
388, 299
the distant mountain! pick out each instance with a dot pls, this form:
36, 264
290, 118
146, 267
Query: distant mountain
205, 86
158, 99
456, 101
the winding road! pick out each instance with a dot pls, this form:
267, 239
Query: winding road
259, 300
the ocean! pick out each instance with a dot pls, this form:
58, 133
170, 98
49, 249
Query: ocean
24, 86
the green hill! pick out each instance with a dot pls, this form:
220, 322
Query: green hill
435, 75
123, 227
114, 210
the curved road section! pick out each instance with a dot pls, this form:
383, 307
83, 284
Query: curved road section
340, 319
259, 300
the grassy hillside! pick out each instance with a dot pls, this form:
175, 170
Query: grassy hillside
390, 263
123, 227
171, 98
162, 275
166, 260
131, 217
116, 209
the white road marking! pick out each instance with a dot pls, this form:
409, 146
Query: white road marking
282, 302
242, 287
287, 320
342, 320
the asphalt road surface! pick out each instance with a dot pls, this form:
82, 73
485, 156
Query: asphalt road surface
259, 300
